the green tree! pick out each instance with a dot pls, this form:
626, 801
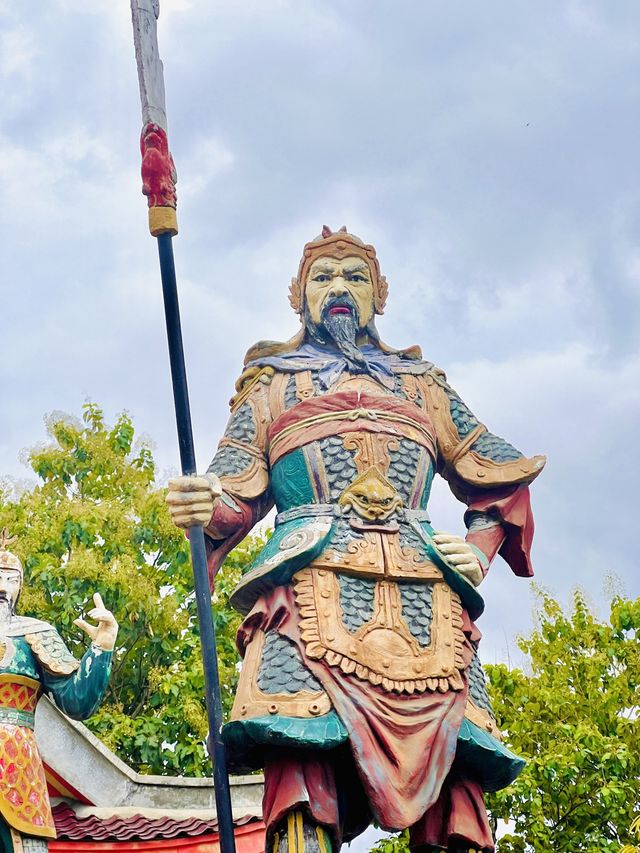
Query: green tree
574, 717
635, 829
97, 521
393, 843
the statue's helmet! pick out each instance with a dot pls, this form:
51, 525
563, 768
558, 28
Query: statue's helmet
337, 244
8, 560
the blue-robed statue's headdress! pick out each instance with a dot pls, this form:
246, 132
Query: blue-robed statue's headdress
8, 560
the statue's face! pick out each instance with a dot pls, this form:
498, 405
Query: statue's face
347, 281
10, 586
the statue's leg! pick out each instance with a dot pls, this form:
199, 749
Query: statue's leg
300, 803
456, 823
299, 834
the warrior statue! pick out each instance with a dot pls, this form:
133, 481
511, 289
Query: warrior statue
361, 693
33, 659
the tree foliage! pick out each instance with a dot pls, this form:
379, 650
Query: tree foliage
97, 521
393, 843
574, 717
635, 831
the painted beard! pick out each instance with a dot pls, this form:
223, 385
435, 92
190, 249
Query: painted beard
339, 328
6, 608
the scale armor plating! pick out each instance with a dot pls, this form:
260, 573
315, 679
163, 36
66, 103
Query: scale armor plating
417, 610
357, 597
281, 668
229, 462
478, 692
403, 463
495, 448
338, 464
242, 425
461, 415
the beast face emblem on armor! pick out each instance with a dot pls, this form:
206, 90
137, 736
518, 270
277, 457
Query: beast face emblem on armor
372, 496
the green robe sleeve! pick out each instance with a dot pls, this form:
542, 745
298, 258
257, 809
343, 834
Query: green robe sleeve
77, 687
80, 694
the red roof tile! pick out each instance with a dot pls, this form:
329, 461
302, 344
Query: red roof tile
134, 828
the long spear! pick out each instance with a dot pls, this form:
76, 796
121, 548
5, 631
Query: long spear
158, 184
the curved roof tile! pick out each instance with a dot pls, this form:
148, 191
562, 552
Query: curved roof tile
134, 828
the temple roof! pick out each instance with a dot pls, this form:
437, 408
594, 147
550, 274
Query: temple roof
101, 805
80, 768
137, 827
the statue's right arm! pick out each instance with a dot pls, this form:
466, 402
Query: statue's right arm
233, 494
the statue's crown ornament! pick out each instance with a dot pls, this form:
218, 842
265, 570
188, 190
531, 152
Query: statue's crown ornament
338, 244
8, 560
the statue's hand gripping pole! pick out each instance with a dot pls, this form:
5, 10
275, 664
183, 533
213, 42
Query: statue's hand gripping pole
158, 184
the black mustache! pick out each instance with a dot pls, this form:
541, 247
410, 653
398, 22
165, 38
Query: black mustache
338, 302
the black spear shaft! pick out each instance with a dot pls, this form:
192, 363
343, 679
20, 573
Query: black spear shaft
196, 542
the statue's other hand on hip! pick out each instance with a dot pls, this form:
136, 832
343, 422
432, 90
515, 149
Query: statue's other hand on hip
460, 555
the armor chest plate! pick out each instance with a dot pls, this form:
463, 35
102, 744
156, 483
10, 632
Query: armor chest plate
370, 461
383, 443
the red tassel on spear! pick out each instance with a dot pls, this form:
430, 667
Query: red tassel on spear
159, 185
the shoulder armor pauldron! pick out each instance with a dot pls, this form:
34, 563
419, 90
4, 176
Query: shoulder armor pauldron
468, 449
247, 380
51, 652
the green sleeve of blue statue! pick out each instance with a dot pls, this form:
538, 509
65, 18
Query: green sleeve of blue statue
80, 694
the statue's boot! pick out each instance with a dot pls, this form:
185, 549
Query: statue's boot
299, 834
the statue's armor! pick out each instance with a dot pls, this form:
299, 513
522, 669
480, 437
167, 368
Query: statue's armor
350, 468
361, 694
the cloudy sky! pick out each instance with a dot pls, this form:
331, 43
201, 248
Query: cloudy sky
488, 150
